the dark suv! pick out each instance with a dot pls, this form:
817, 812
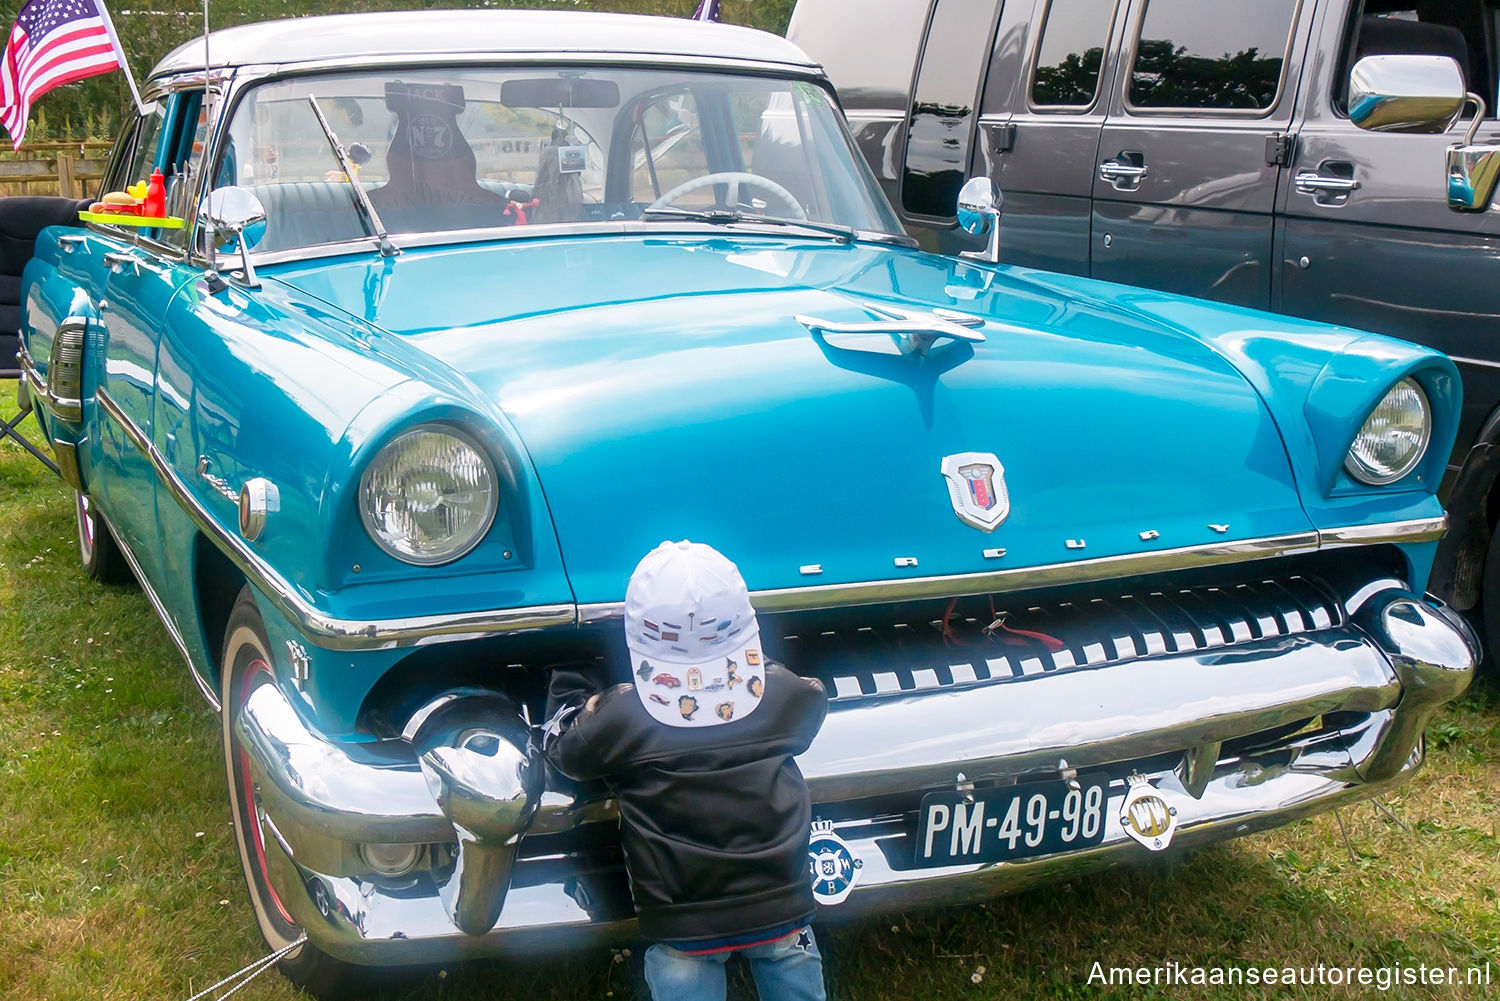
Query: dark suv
1213, 148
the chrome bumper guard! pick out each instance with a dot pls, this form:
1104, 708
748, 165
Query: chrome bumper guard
1377, 680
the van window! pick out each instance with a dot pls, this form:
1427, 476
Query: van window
942, 110
1462, 30
1221, 54
1071, 52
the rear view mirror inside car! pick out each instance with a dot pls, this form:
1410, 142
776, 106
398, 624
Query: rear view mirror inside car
560, 92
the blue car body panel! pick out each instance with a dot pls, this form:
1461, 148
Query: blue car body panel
677, 384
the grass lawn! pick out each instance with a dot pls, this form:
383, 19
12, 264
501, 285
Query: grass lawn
118, 878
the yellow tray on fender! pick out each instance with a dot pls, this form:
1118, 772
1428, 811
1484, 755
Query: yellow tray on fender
144, 221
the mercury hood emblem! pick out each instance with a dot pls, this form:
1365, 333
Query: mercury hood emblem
976, 485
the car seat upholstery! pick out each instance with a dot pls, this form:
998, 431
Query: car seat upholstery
1383, 36
22, 217
431, 166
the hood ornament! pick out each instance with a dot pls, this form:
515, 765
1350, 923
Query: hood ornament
976, 485
913, 331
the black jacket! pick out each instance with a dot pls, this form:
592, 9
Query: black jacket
714, 820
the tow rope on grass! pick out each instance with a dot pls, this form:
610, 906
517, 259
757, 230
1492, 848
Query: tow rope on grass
249, 973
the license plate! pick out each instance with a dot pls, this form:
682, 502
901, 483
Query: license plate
1011, 822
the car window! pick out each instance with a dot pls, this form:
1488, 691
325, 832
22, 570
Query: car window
942, 112
666, 149
169, 137
1071, 52
482, 147
147, 144
1211, 54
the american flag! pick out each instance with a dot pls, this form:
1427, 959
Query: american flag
54, 42
708, 10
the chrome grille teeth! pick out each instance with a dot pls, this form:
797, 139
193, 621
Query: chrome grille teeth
889, 659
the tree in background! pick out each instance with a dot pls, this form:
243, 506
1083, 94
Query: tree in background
92, 109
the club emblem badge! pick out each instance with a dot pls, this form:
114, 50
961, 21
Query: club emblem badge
976, 485
1147, 816
832, 865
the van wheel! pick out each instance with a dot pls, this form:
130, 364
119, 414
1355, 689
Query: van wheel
97, 550
246, 666
1486, 617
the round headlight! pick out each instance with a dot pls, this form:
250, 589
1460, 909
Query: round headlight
429, 496
1394, 437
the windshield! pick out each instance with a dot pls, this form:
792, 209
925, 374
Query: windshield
466, 148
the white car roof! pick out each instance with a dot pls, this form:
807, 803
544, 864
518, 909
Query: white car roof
488, 35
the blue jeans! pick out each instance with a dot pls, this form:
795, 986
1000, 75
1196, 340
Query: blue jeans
788, 969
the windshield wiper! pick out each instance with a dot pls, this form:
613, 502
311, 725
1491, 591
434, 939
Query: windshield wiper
726, 217
387, 248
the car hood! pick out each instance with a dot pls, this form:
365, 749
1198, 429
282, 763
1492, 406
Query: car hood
665, 388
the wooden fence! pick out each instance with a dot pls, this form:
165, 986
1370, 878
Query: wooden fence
73, 169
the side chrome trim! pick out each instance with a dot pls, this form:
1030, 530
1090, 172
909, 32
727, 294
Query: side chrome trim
324, 630
1415, 530
161, 613
29, 372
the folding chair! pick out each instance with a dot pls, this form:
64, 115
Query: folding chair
8, 430
21, 218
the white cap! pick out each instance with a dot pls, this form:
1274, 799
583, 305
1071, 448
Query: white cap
693, 638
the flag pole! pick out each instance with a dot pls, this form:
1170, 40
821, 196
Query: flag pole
109, 25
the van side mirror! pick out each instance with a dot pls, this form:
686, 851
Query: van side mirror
979, 213
1406, 93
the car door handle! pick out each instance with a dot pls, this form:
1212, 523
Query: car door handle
70, 240
1310, 182
117, 262
1113, 170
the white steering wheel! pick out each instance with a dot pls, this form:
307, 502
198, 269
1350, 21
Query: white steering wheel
733, 178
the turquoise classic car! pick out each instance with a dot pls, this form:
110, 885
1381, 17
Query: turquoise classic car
455, 315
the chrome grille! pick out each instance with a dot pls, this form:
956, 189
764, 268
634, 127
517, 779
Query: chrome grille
984, 640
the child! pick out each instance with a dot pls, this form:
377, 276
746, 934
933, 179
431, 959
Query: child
714, 815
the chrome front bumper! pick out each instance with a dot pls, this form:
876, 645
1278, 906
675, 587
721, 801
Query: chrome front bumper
1358, 696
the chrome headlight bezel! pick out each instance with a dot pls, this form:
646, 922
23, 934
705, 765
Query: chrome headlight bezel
1360, 466
465, 544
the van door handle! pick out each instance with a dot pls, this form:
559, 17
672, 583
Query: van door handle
1113, 170
1310, 182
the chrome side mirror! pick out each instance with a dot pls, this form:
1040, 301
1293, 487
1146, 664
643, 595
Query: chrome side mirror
979, 214
238, 212
1406, 93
